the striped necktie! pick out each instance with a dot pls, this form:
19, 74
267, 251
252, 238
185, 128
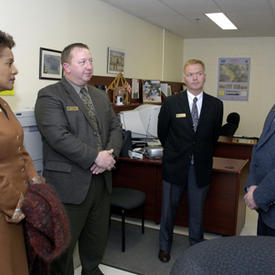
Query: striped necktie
92, 114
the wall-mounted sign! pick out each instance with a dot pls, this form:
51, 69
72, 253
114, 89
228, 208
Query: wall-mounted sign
233, 79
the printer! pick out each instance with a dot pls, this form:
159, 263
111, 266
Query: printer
154, 152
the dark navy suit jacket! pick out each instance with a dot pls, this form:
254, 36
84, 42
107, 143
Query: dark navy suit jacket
262, 171
180, 142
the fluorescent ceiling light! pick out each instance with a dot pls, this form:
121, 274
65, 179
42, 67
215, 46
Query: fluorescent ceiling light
221, 20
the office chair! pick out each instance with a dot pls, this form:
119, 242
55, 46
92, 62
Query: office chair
242, 255
229, 129
123, 200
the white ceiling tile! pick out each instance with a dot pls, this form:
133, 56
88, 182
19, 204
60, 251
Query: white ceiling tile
186, 17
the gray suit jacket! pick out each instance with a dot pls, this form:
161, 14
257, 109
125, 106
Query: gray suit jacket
262, 171
69, 141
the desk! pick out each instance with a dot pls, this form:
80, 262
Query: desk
225, 207
229, 147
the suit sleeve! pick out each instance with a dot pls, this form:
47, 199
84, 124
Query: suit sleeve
115, 133
219, 121
163, 122
9, 196
263, 165
264, 194
29, 167
251, 179
54, 127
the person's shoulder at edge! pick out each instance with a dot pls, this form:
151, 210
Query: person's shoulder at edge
211, 97
51, 89
100, 94
173, 97
96, 90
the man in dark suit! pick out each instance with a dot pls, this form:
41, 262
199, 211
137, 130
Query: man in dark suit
188, 128
260, 184
81, 137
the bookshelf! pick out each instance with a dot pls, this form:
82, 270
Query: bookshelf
176, 87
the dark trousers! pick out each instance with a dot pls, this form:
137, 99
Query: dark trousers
89, 226
263, 229
171, 196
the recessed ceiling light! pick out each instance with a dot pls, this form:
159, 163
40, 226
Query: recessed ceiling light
221, 20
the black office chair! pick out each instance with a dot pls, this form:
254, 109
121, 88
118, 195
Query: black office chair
229, 129
124, 200
242, 255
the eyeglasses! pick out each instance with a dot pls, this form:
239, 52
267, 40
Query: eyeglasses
191, 75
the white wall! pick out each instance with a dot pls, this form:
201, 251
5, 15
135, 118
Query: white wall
54, 24
151, 53
172, 57
262, 75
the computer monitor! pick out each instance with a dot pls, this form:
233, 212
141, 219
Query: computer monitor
142, 121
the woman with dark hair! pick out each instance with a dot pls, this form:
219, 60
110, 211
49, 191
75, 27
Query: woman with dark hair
16, 172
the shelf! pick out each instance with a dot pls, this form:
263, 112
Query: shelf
126, 107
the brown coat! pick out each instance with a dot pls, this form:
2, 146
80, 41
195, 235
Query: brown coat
16, 169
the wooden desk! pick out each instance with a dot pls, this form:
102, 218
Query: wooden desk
229, 147
225, 207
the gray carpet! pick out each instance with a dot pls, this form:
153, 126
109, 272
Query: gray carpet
141, 255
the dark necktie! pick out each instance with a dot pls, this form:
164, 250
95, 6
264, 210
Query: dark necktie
194, 113
92, 114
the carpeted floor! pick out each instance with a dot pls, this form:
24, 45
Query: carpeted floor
141, 255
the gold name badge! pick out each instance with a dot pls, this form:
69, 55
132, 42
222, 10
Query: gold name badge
181, 115
72, 108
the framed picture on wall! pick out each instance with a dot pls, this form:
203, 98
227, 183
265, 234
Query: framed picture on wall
50, 64
115, 61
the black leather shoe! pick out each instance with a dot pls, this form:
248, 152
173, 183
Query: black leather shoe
164, 256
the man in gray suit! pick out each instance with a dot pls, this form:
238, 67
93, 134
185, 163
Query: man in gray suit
81, 137
260, 184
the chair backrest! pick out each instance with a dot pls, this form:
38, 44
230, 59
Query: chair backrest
233, 118
229, 129
228, 255
127, 143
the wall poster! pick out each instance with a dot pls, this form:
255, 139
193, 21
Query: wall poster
233, 79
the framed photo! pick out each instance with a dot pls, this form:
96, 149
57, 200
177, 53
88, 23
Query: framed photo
115, 61
50, 64
151, 91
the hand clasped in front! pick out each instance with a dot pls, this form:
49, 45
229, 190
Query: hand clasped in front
104, 161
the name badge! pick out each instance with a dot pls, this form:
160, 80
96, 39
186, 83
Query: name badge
72, 108
181, 115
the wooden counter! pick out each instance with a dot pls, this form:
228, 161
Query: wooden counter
236, 148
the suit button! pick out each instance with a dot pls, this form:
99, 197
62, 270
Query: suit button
22, 170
